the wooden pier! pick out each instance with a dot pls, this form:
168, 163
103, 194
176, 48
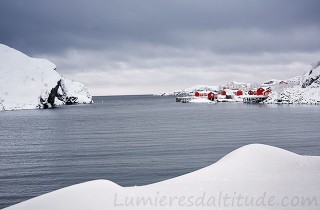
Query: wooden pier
250, 99
253, 99
184, 99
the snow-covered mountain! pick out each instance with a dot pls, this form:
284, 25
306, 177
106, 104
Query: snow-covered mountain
190, 90
28, 83
201, 88
289, 82
299, 90
234, 85
295, 95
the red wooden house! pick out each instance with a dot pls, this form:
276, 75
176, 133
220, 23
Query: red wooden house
260, 91
239, 93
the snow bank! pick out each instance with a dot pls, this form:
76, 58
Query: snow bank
29, 83
266, 176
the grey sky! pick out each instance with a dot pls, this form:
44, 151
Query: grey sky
146, 46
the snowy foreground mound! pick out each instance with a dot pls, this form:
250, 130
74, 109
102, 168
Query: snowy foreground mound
251, 177
28, 83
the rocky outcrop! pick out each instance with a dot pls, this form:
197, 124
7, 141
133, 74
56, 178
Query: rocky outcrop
50, 102
74, 92
29, 83
312, 77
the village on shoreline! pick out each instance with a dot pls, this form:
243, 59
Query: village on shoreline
233, 92
303, 89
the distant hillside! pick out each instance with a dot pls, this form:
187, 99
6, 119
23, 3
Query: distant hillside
306, 91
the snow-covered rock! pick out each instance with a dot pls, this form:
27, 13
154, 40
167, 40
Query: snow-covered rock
294, 81
252, 177
24, 80
29, 83
174, 93
75, 92
295, 95
271, 82
275, 83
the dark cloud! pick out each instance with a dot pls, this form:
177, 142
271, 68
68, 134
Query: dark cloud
46, 25
117, 35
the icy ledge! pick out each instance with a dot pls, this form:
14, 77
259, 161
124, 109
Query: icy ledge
252, 177
29, 83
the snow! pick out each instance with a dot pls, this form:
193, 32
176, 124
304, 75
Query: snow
23, 79
271, 177
229, 92
77, 90
238, 85
303, 89
175, 93
294, 81
238, 98
190, 91
271, 82
205, 88
312, 77
235, 99
26, 82
299, 90
295, 95
201, 100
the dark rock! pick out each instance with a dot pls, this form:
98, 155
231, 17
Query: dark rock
54, 93
71, 100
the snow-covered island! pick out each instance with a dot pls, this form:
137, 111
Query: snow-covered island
303, 89
29, 83
255, 176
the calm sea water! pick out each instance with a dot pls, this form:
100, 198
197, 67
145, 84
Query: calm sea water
137, 140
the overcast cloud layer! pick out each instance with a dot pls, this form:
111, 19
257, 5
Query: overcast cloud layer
148, 46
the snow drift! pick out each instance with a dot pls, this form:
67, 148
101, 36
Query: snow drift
28, 83
252, 177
